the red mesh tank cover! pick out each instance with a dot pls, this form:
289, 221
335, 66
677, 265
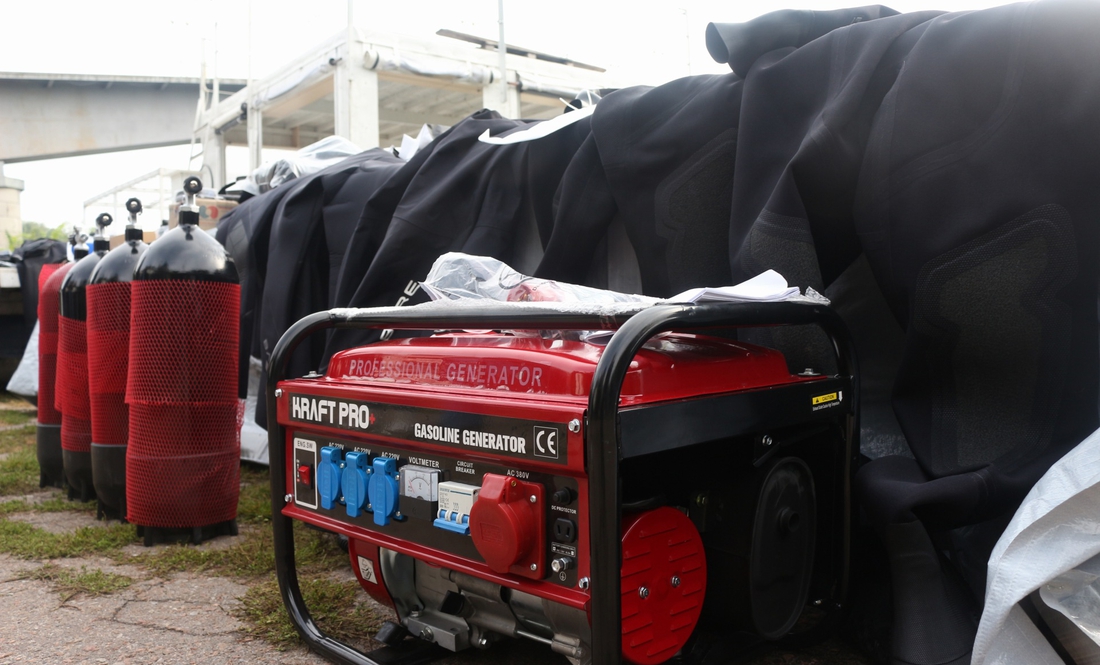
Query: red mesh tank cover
72, 385
183, 459
49, 296
109, 343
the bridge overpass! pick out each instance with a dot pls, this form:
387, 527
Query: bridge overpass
43, 116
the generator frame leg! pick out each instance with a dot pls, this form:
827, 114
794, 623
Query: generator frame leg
634, 326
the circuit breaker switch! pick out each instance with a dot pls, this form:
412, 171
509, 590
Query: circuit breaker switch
456, 500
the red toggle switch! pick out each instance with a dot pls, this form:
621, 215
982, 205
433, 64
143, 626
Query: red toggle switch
305, 474
508, 526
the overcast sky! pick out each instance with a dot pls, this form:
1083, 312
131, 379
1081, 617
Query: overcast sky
637, 41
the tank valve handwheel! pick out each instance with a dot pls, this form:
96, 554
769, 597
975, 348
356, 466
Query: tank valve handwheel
192, 186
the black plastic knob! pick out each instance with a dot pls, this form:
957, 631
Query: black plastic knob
192, 185
104, 220
562, 497
133, 206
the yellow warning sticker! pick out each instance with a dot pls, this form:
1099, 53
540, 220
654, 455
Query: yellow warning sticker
822, 399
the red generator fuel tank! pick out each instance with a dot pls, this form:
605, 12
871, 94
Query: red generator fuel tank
462, 469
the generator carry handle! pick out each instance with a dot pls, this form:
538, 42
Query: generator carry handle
634, 327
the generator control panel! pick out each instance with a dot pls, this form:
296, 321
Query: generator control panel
474, 510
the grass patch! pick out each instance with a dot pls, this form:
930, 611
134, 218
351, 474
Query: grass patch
29, 542
14, 506
332, 604
17, 440
17, 417
253, 556
54, 504
13, 401
254, 505
18, 461
70, 583
19, 472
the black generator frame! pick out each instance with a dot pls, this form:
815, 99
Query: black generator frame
633, 327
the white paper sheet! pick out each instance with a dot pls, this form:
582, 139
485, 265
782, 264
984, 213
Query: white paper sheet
768, 286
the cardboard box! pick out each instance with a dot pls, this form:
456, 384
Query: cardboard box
147, 236
210, 212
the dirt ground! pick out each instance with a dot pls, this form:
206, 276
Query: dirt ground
185, 619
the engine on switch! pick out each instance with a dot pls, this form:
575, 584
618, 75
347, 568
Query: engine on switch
458, 466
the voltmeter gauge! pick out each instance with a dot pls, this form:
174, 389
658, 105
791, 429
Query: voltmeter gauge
419, 482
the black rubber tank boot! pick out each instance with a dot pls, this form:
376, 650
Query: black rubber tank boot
109, 478
51, 468
78, 473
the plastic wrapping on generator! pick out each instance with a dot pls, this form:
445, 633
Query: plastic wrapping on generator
109, 337
49, 289
183, 460
458, 276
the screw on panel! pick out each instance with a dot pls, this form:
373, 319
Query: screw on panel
574, 426
534, 499
767, 441
583, 583
426, 634
397, 514
643, 592
278, 392
414, 613
534, 566
288, 498
675, 581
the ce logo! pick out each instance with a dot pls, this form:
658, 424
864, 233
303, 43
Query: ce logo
546, 442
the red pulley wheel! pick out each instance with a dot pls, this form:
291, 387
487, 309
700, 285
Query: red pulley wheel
664, 581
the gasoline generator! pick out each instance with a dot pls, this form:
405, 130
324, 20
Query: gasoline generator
615, 483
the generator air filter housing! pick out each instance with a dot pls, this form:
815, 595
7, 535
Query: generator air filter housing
109, 340
183, 458
72, 375
51, 471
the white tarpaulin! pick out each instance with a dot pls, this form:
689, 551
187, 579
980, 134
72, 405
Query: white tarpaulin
1056, 530
24, 382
